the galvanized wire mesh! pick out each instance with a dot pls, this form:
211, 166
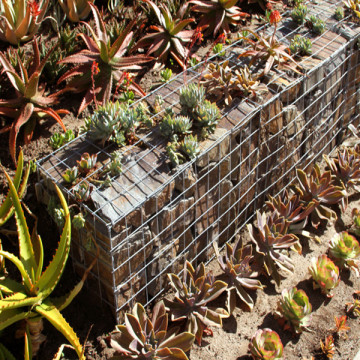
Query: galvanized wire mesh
155, 217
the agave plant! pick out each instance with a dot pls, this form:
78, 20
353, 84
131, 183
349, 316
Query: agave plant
30, 298
20, 183
218, 15
169, 37
295, 308
344, 249
21, 19
272, 241
76, 10
30, 101
102, 65
270, 50
236, 264
318, 188
192, 295
143, 338
266, 345
325, 274
346, 171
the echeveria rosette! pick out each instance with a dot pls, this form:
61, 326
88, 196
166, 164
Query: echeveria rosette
236, 264
325, 274
295, 308
266, 345
344, 249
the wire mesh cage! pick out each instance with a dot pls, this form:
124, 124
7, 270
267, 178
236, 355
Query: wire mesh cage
153, 217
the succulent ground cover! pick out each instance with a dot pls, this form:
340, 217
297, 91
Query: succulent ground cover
110, 51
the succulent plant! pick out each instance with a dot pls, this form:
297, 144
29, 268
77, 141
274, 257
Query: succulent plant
346, 171
166, 75
192, 294
269, 50
206, 116
236, 264
173, 151
82, 191
340, 324
328, 347
316, 25
344, 249
247, 84
318, 188
76, 10
353, 308
218, 80
218, 15
272, 241
115, 165
78, 221
87, 163
58, 140
70, 175
339, 13
266, 345
30, 102
144, 338
325, 274
102, 65
169, 36
190, 97
20, 19
295, 308
171, 126
299, 14
353, 6
189, 146
300, 45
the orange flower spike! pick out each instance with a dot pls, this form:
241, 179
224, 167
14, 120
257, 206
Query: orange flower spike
34, 8
275, 17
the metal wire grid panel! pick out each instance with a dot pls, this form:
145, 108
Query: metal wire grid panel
153, 218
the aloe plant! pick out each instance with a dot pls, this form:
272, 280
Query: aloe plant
192, 294
318, 188
21, 19
266, 345
236, 264
102, 65
295, 308
29, 299
30, 102
20, 182
325, 274
144, 338
272, 241
344, 249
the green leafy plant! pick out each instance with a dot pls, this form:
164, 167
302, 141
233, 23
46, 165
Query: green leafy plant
218, 49
21, 19
20, 183
299, 14
295, 308
192, 294
266, 345
315, 24
166, 75
325, 274
144, 338
71, 175
30, 298
344, 249
218, 15
30, 102
300, 45
76, 10
102, 65
318, 188
272, 241
237, 266
339, 13
87, 163
269, 50
169, 36
58, 140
